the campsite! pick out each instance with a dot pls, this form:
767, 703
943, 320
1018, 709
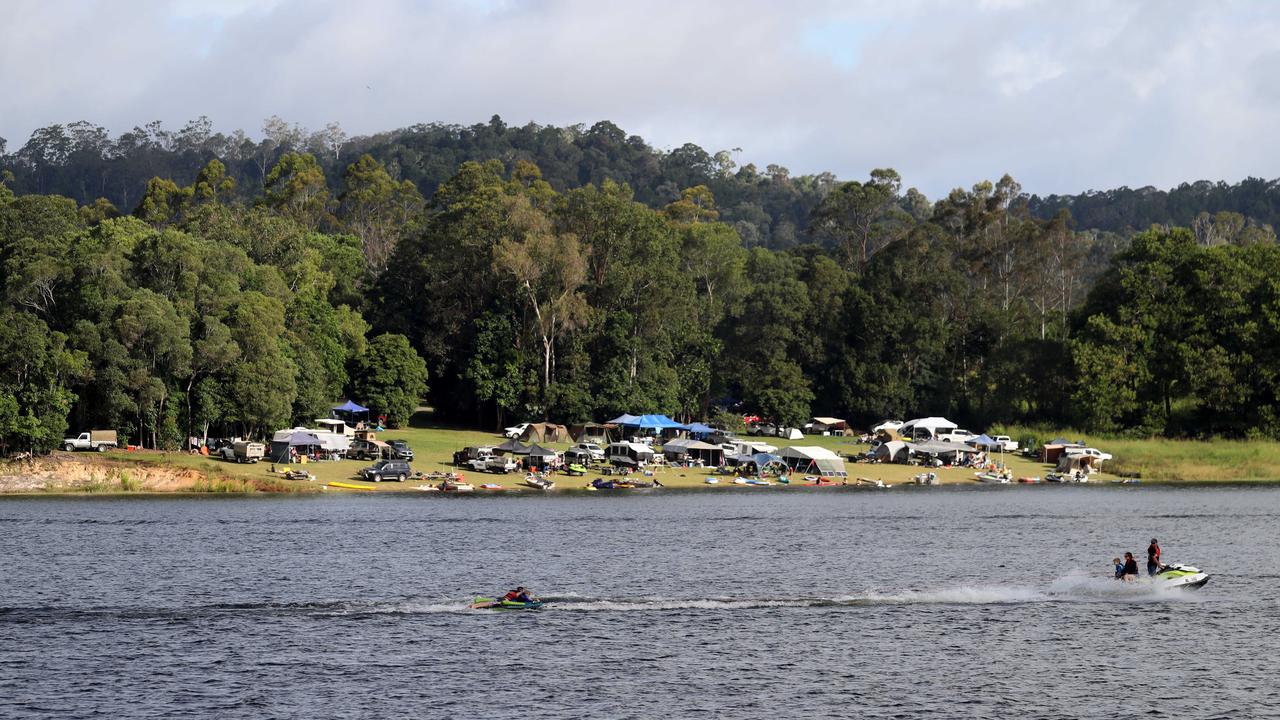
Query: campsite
335, 455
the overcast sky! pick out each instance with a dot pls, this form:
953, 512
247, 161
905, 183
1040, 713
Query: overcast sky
1064, 95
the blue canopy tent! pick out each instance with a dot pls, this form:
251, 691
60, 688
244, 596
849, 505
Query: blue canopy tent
984, 442
699, 430
348, 411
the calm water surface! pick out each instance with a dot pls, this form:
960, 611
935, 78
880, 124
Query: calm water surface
921, 602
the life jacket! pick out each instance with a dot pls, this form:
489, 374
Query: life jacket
511, 595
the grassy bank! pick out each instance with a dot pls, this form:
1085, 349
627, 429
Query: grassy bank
1153, 460
434, 446
1163, 460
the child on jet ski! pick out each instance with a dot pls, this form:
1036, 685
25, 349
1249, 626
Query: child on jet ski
518, 595
1119, 568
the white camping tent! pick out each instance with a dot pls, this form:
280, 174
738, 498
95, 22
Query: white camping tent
814, 460
926, 428
629, 453
893, 451
706, 452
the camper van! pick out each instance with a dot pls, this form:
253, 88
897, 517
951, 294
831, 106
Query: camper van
629, 454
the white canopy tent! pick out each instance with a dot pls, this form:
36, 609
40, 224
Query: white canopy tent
706, 452
926, 428
813, 459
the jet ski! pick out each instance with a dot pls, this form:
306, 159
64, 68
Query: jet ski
488, 603
1180, 576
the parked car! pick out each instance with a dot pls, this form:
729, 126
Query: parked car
887, 425
496, 464
580, 456
463, 457
1088, 452
594, 451
243, 451
760, 429
400, 450
515, 431
99, 440
1006, 442
369, 450
397, 470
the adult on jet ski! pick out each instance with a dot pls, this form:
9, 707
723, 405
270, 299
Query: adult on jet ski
518, 595
1153, 558
1130, 568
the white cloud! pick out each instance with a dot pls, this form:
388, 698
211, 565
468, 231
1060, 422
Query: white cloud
1064, 96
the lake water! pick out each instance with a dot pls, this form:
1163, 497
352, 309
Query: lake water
916, 602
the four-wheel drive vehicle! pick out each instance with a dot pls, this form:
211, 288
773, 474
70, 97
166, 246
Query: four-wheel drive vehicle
369, 450
243, 451
401, 450
387, 470
463, 457
515, 431
496, 464
594, 451
1008, 443
99, 440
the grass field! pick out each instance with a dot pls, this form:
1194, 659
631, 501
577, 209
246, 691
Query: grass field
1153, 460
434, 445
1162, 460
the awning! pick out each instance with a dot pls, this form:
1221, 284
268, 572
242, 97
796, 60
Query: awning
984, 441
303, 439
536, 450
515, 447
351, 407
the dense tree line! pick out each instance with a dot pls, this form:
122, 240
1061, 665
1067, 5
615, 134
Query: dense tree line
204, 306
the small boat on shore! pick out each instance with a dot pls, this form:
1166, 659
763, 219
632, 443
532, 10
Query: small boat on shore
992, 478
538, 482
453, 486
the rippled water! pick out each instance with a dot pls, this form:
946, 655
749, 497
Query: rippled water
937, 602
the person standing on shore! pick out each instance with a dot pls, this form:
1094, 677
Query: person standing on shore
1153, 557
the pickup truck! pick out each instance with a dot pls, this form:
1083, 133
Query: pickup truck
466, 456
591, 449
959, 435
1008, 443
495, 464
99, 440
401, 450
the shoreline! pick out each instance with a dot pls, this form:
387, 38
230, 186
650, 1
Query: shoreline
154, 474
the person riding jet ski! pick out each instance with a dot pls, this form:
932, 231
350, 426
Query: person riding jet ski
518, 595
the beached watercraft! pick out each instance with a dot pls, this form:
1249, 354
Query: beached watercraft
453, 486
575, 469
993, 478
488, 603
602, 484
539, 482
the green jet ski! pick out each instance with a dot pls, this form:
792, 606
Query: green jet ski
1176, 575
488, 603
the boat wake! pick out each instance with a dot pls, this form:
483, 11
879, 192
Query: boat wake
1076, 588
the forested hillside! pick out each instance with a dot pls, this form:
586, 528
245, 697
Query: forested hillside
241, 296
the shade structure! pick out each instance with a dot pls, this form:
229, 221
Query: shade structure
514, 447
537, 451
984, 441
811, 459
350, 407
648, 422
304, 439
700, 429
